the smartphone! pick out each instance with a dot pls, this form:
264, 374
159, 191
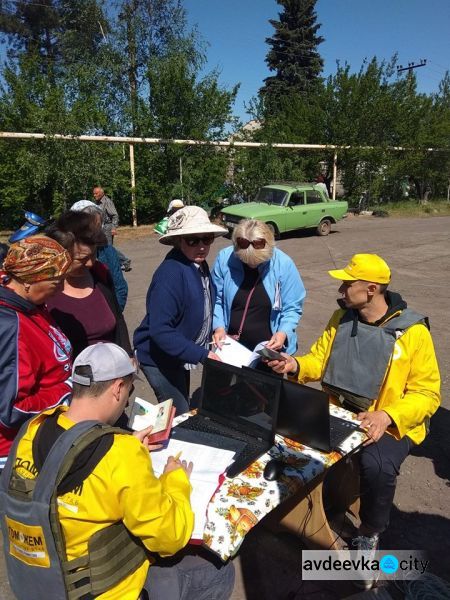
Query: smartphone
270, 354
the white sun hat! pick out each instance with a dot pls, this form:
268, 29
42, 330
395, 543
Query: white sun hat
190, 220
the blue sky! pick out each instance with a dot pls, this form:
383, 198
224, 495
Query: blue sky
353, 30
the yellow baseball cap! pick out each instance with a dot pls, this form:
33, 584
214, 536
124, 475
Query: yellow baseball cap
368, 267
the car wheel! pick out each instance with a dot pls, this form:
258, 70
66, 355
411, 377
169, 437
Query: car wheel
274, 229
324, 227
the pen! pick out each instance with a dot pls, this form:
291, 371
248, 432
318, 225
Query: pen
177, 456
215, 343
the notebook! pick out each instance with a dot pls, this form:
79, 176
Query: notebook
304, 416
238, 411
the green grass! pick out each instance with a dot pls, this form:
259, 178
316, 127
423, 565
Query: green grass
411, 208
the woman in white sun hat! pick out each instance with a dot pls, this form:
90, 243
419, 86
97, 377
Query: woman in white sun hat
176, 330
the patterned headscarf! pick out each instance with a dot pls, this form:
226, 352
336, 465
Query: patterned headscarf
36, 258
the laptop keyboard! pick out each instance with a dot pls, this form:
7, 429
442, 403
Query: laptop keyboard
199, 423
340, 429
249, 448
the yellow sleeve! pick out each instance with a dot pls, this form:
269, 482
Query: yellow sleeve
421, 396
312, 364
158, 511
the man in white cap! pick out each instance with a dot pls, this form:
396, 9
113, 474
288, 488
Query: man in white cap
113, 483
174, 205
175, 333
375, 357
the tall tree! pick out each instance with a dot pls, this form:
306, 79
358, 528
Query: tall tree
79, 68
293, 53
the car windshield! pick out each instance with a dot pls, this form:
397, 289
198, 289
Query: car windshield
271, 196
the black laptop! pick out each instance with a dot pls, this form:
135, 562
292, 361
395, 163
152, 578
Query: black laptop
304, 416
238, 411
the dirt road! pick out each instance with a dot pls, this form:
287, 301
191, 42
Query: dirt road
418, 252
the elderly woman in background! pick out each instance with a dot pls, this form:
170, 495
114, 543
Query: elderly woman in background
35, 356
259, 292
86, 309
106, 254
176, 330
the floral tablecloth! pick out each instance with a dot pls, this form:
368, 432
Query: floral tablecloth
240, 503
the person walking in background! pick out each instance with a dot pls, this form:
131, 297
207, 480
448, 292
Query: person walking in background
35, 356
320, 183
174, 205
106, 254
259, 292
376, 358
175, 333
110, 216
86, 309
110, 222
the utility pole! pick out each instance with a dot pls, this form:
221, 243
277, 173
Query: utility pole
411, 66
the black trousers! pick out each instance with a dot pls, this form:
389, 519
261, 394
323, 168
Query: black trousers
379, 466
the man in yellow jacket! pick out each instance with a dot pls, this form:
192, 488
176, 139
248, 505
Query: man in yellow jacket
120, 487
376, 357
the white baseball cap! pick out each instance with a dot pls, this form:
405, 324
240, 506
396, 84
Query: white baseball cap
175, 203
107, 362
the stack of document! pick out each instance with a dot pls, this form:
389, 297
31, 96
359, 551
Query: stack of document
209, 464
234, 353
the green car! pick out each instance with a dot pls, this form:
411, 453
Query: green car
288, 207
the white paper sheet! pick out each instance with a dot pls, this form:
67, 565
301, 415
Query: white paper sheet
234, 353
209, 464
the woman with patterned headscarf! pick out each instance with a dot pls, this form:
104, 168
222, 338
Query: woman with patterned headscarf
35, 356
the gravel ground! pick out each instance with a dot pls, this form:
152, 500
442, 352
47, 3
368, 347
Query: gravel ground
418, 252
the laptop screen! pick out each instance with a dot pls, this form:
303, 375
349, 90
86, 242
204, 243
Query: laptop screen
304, 415
247, 399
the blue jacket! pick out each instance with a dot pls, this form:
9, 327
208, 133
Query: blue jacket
282, 283
174, 315
108, 256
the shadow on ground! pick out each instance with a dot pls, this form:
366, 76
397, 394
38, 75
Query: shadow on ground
271, 563
436, 445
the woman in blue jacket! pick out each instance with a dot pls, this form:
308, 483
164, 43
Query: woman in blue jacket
259, 292
175, 333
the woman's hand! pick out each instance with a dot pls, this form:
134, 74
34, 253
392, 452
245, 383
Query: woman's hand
276, 342
219, 336
143, 437
213, 356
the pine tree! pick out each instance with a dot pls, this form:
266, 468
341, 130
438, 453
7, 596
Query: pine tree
293, 54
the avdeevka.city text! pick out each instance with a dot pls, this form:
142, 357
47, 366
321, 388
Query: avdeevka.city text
346, 564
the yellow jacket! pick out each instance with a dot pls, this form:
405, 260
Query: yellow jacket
410, 392
122, 487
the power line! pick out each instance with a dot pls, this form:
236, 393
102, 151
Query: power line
412, 66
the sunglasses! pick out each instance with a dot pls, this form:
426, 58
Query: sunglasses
195, 241
243, 243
